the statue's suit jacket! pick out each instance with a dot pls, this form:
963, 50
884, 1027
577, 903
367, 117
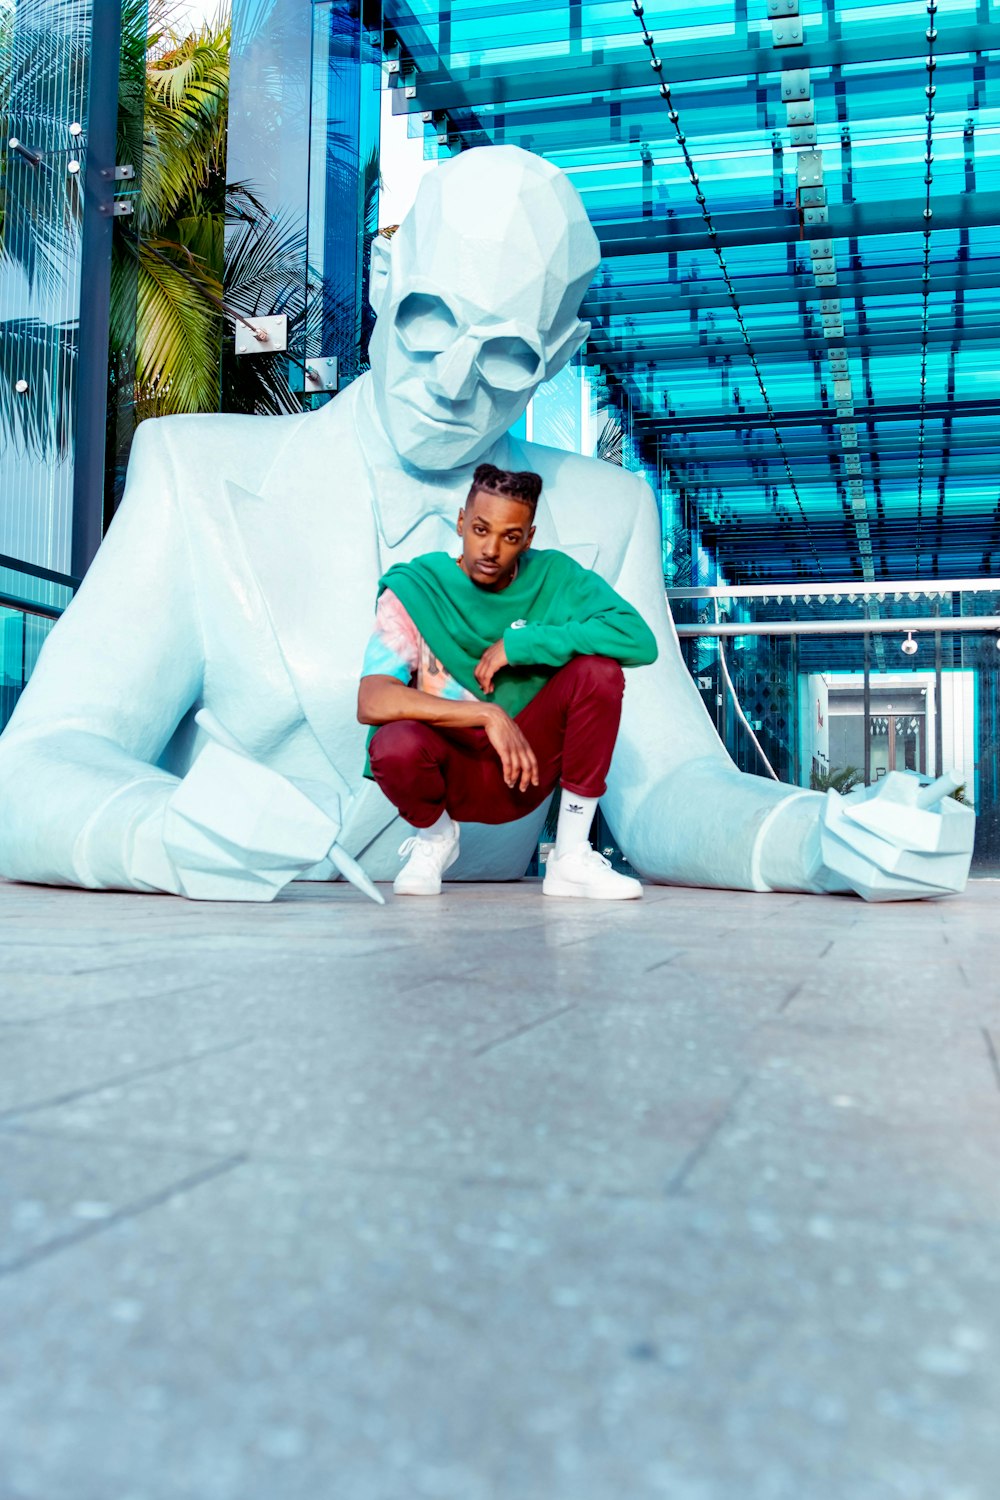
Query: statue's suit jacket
240, 573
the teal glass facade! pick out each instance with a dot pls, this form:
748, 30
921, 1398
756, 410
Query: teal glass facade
798, 205
303, 146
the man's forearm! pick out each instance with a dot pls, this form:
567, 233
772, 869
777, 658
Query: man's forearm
383, 700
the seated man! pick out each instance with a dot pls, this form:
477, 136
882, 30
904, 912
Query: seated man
496, 676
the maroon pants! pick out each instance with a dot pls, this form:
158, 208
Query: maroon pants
571, 725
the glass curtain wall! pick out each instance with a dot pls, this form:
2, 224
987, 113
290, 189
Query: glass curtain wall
303, 160
46, 63
58, 96
799, 211
837, 690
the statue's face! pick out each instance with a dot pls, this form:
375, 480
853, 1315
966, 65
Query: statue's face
476, 299
451, 372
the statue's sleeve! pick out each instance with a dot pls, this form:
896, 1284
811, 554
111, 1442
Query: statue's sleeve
679, 808
116, 675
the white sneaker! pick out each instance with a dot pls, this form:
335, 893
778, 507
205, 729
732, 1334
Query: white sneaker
585, 873
429, 858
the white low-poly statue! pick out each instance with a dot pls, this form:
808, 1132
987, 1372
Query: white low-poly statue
191, 724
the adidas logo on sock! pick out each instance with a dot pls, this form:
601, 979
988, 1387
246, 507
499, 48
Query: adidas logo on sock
574, 807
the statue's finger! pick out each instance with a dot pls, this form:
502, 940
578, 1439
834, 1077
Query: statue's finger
352, 871
930, 796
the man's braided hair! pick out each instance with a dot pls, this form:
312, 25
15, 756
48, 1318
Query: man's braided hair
522, 485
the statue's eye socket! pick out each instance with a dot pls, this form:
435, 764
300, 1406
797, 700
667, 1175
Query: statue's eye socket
425, 323
509, 363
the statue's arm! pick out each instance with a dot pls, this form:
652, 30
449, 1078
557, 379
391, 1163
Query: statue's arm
78, 780
678, 806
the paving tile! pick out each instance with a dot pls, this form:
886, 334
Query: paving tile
56, 1192
439, 1341
499, 1198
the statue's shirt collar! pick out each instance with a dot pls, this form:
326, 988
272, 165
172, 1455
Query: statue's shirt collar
401, 497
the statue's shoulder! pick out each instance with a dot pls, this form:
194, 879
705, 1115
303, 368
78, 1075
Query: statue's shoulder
192, 438
575, 483
243, 449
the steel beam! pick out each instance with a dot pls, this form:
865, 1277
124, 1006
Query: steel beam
920, 624
697, 351
634, 301
95, 279
810, 590
815, 417
603, 69
891, 445
663, 236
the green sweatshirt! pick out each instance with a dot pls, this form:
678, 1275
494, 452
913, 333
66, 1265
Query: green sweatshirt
552, 611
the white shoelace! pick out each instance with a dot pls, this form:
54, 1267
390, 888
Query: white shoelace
420, 846
589, 853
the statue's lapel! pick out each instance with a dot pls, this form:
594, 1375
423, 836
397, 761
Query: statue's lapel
310, 540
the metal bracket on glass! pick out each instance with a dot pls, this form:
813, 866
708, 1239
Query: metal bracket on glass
787, 32
778, 8
322, 374
33, 158
262, 335
121, 208
795, 84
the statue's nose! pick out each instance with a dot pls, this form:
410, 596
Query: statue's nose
453, 373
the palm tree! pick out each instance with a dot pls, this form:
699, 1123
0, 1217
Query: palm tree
167, 264
842, 779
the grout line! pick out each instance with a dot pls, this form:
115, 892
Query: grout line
663, 962
520, 1030
110, 1083
73, 1135
991, 1052
682, 1174
793, 994
131, 1211
70, 1011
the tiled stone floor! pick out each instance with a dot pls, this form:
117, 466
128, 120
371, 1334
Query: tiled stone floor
497, 1198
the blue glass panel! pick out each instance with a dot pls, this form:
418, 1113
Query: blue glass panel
44, 80
816, 401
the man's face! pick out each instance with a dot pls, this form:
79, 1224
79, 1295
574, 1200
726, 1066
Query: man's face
451, 376
495, 531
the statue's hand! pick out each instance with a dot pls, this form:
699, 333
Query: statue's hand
897, 840
235, 830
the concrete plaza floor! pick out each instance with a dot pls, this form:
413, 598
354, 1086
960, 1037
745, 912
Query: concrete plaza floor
497, 1198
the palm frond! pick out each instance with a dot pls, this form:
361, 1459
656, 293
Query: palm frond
611, 441
177, 334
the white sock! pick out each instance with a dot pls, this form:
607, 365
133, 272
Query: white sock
439, 830
575, 817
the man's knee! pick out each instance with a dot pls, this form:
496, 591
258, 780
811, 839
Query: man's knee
400, 744
599, 673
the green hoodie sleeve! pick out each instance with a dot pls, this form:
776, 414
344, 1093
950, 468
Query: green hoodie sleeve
603, 625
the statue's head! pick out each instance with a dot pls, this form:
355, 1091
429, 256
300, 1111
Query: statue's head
477, 297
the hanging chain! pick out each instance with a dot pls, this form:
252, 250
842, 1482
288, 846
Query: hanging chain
666, 94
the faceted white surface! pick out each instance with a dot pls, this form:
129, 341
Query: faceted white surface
239, 579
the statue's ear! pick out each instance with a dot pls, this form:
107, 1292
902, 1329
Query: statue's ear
378, 276
566, 348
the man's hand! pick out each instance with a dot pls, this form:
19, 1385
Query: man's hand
492, 659
520, 768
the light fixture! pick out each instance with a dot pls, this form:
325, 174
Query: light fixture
909, 646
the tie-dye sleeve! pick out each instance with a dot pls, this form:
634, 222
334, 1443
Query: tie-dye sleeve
394, 648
